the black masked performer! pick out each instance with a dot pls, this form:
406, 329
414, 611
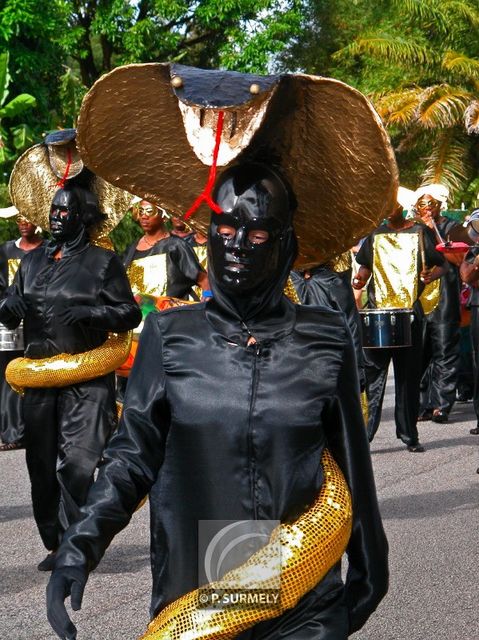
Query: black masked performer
233, 402
11, 252
469, 271
70, 295
180, 229
400, 258
442, 326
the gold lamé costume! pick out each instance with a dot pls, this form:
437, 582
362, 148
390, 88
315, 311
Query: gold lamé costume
396, 259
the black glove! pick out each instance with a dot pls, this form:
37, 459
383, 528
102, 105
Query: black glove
65, 581
15, 305
72, 315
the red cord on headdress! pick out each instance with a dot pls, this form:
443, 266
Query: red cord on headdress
61, 183
205, 195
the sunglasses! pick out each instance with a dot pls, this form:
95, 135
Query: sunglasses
427, 203
149, 211
21, 220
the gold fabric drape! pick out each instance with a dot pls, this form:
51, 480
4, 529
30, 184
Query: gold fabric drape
395, 270
148, 275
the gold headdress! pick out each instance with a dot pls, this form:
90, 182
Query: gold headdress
324, 135
43, 168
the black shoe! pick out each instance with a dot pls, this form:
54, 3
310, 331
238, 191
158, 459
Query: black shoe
425, 416
440, 416
474, 432
416, 448
48, 563
11, 446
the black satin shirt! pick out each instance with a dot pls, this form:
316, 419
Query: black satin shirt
214, 429
326, 288
85, 275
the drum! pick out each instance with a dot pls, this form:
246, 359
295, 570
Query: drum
386, 328
11, 339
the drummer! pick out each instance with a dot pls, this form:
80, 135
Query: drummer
470, 275
441, 327
399, 258
11, 252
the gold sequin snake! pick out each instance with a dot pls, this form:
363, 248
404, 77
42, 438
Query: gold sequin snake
309, 547
65, 369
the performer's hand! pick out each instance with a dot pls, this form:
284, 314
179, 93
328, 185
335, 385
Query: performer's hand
16, 305
358, 283
72, 315
427, 276
65, 581
427, 219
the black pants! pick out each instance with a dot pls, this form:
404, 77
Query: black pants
407, 365
66, 430
11, 414
441, 357
465, 379
321, 614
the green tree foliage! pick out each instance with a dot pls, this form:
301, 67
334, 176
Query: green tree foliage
434, 46
60, 47
15, 136
418, 60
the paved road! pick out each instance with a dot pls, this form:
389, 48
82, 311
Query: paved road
430, 508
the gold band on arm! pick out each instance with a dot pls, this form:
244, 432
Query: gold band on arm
309, 548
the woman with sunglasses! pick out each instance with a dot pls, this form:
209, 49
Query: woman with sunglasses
160, 264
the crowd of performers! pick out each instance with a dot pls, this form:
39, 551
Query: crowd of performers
244, 399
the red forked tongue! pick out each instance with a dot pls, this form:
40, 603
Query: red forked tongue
205, 195
62, 181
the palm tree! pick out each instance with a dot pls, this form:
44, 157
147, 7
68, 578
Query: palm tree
427, 53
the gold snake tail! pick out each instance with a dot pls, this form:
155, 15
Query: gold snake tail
309, 548
65, 369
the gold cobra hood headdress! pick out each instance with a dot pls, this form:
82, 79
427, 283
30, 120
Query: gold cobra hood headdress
45, 167
324, 136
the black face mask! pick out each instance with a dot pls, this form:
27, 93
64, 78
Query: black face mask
246, 239
65, 219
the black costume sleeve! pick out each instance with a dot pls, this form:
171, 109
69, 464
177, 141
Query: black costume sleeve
186, 261
367, 576
364, 256
3, 270
117, 310
132, 459
342, 295
16, 288
127, 257
433, 257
